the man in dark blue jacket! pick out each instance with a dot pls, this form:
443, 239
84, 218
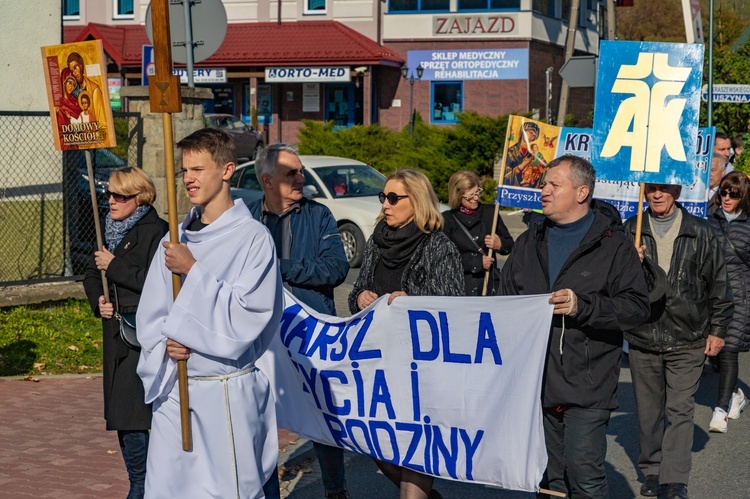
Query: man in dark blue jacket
584, 259
312, 263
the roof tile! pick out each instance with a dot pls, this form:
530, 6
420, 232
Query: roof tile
255, 44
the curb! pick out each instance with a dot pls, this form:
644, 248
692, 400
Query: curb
294, 454
42, 377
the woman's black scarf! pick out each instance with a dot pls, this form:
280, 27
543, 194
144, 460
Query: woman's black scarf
397, 245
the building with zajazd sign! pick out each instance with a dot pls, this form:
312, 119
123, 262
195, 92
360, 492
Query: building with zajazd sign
342, 60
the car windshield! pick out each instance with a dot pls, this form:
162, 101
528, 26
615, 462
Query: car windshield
351, 180
244, 178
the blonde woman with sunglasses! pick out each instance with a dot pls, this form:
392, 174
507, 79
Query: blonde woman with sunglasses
408, 254
132, 231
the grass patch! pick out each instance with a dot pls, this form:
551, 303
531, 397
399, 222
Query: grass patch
58, 338
31, 239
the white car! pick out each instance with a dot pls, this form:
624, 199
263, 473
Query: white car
349, 188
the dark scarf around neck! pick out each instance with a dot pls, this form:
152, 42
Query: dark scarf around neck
397, 245
115, 230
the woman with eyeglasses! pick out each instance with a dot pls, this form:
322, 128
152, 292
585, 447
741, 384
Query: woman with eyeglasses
132, 232
731, 225
407, 254
469, 225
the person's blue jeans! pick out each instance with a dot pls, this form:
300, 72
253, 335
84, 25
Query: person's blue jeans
576, 440
331, 460
134, 448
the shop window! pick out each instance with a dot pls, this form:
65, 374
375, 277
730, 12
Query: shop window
315, 6
71, 9
464, 5
408, 6
546, 7
447, 102
123, 9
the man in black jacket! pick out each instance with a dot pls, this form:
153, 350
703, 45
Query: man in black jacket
586, 261
668, 352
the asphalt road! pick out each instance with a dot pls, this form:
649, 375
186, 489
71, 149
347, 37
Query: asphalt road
721, 462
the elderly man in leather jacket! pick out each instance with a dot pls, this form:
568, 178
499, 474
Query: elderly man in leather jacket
667, 353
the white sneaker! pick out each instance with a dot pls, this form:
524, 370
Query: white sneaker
736, 404
719, 421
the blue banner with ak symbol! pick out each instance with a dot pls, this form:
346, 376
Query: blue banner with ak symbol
646, 111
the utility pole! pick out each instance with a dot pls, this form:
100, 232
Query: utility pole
570, 42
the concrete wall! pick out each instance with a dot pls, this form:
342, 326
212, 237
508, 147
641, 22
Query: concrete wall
24, 27
27, 153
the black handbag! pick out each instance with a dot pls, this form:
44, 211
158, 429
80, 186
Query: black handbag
127, 326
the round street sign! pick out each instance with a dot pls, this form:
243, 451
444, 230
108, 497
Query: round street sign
209, 27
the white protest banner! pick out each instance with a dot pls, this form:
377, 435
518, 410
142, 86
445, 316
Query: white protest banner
447, 386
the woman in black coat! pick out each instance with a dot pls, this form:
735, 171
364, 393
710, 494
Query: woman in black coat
133, 231
407, 254
732, 227
467, 214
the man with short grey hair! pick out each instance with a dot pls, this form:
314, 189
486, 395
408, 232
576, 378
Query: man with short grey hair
584, 260
312, 262
717, 173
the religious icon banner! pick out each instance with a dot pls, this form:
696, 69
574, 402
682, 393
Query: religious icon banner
529, 146
77, 89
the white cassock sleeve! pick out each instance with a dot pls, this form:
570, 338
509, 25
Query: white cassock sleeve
230, 302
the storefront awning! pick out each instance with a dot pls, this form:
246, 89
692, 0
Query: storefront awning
254, 44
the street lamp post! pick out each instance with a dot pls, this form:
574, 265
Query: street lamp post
411, 79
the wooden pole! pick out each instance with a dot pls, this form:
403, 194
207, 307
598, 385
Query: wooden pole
497, 205
552, 493
165, 97
97, 224
488, 272
639, 215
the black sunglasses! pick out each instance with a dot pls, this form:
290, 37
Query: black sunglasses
392, 198
732, 194
120, 198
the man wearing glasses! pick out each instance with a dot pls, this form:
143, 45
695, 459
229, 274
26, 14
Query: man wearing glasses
667, 353
312, 262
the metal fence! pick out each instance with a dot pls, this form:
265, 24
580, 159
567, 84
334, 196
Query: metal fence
46, 219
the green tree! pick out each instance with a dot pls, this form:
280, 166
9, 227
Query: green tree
729, 67
472, 144
477, 141
647, 22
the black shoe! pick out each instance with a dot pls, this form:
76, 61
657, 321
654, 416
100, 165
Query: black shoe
677, 491
339, 495
650, 487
